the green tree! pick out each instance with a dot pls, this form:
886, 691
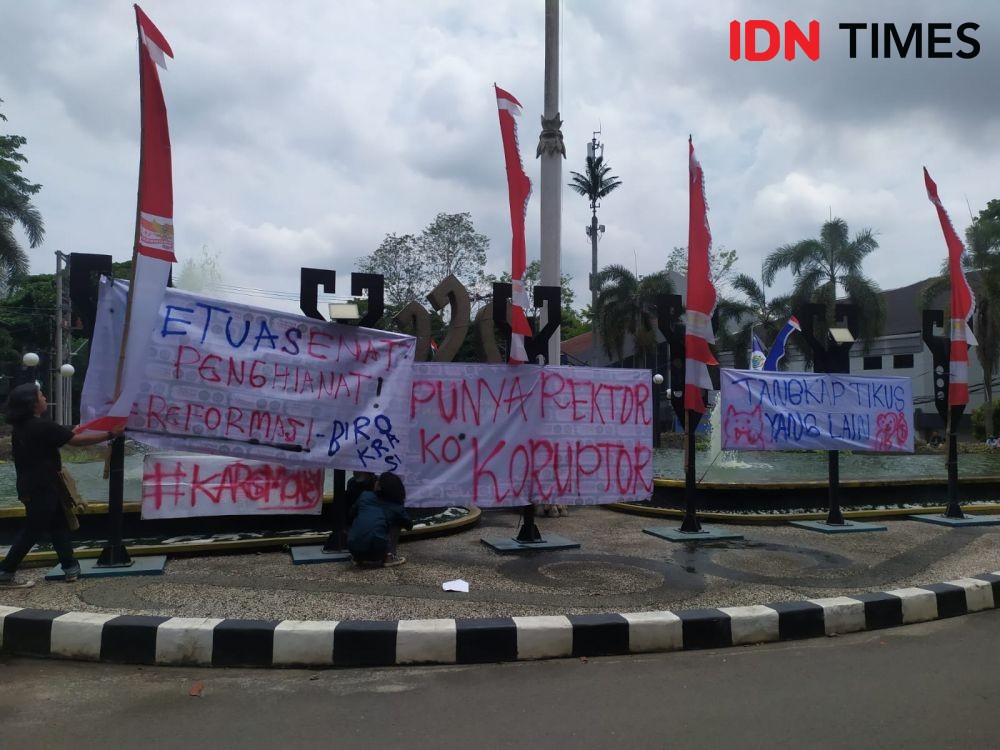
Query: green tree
983, 415
27, 318
721, 264
825, 266
398, 261
412, 265
572, 324
451, 245
27, 324
28, 314
752, 311
981, 262
596, 182
16, 208
626, 306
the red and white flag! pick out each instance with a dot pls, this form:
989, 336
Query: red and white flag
698, 332
963, 305
154, 232
518, 192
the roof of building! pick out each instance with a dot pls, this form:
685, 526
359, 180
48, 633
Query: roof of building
902, 308
578, 346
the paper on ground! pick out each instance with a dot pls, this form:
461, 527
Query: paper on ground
457, 585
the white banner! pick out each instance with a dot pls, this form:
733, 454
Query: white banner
502, 435
241, 381
766, 411
187, 486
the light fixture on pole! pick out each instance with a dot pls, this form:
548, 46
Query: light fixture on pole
30, 359
657, 429
344, 311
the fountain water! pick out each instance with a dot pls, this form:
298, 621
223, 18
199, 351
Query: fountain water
730, 459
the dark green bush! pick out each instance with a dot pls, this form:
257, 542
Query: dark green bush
979, 419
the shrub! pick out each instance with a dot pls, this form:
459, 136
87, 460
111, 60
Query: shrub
979, 419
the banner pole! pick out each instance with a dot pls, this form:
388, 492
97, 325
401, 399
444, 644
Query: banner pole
114, 554
691, 523
834, 516
337, 541
954, 510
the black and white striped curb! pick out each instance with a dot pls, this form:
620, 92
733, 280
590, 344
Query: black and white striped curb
142, 639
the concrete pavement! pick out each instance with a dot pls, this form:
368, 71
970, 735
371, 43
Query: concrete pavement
924, 687
622, 592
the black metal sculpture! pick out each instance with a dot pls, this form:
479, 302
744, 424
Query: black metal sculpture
310, 279
536, 347
830, 356
670, 320
940, 348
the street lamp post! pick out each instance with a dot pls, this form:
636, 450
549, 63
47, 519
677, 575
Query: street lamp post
65, 406
657, 427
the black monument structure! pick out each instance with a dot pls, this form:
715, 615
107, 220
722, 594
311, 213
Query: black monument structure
670, 320
831, 352
940, 348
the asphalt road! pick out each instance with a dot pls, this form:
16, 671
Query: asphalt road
923, 686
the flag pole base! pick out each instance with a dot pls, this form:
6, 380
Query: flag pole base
835, 518
144, 565
954, 510
706, 534
114, 556
529, 533
690, 524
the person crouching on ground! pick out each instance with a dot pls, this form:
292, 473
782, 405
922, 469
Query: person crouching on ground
378, 517
36, 441
359, 482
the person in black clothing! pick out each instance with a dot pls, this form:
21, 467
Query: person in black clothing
378, 517
36, 441
358, 483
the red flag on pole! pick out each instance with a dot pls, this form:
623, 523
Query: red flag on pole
156, 196
518, 192
153, 249
963, 304
698, 332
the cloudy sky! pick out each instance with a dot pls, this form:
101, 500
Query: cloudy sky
303, 132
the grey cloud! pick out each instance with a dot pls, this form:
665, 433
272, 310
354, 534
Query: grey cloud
304, 132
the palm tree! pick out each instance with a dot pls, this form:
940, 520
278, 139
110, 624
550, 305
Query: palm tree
15, 208
594, 184
981, 262
755, 310
823, 267
626, 306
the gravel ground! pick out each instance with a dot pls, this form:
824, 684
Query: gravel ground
617, 569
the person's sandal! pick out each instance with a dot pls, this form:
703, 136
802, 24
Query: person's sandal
391, 561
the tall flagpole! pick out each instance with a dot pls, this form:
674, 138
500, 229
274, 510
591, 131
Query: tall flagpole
138, 214
115, 554
551, 151
152, 255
